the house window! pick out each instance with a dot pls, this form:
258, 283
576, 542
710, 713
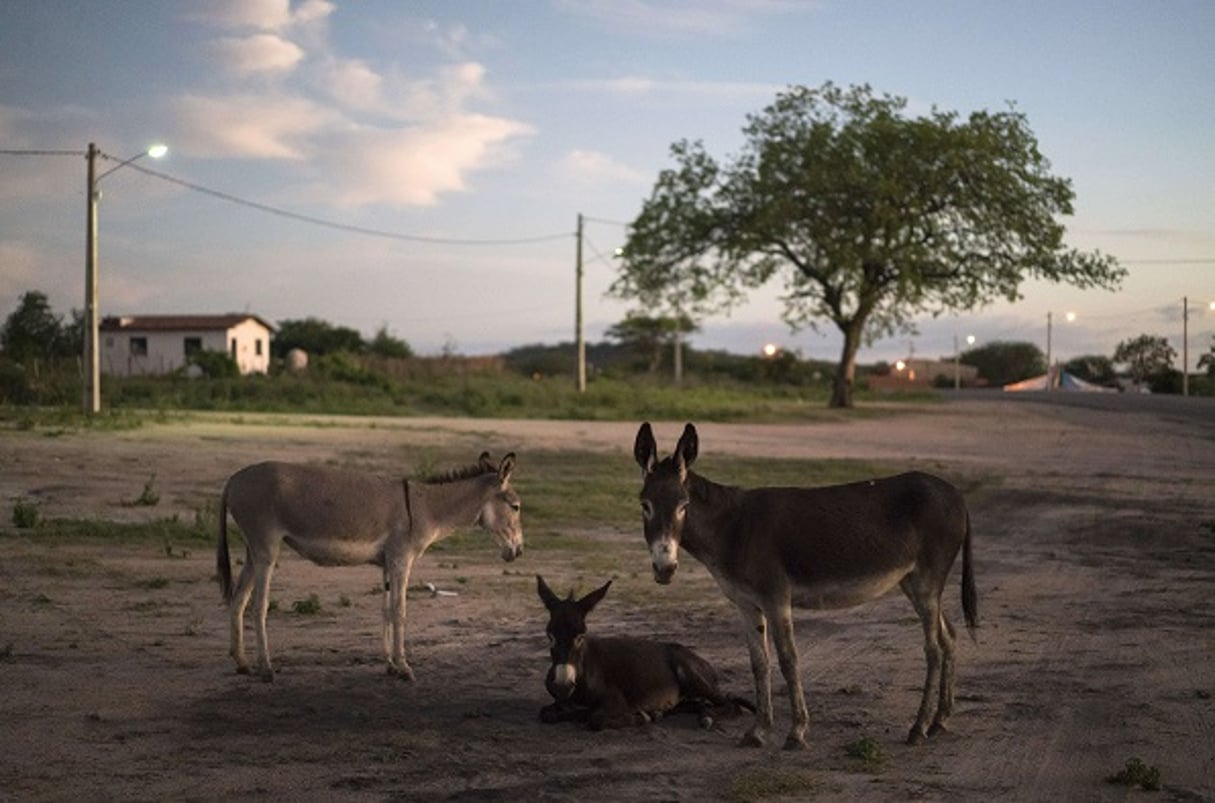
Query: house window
257, 347
192, 346
139, 347
232, 348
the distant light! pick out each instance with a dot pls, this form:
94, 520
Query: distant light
970, 340
1211, 305
1071, 316
900, 365
158, 150
770, 349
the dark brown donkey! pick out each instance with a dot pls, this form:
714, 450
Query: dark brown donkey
621, 681
771, 549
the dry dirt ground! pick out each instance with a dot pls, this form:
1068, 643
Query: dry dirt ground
1096, 571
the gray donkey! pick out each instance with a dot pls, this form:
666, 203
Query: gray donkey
614, 682
336, 517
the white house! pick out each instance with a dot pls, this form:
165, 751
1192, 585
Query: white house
138, 345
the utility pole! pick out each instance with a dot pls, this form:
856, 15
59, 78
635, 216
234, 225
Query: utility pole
1185, 345
92, 373
579, 338
1048, 366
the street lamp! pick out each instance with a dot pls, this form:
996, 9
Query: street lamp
92, 367
1071, 316
957, 359
1185, 343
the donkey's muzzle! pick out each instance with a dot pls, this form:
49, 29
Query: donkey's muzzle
512, 551
663, 574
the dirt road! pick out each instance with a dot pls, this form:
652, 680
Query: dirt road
1095, 547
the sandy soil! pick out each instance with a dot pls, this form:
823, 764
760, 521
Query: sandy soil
1096, 569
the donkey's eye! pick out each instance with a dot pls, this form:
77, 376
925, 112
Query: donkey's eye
579, 639
682, 510
647, 509
515, 506
552, 640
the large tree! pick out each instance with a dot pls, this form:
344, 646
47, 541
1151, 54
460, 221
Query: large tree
869, 217
1146, 357
33, 331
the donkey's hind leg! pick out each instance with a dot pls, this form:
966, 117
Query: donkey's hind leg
948, 637
262, 572
928, 605
236, 617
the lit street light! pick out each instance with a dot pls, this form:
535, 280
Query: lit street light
1071, 316
92, 362
957, 359
1185, 343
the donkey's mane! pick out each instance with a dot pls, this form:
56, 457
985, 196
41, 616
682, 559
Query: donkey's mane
456, 474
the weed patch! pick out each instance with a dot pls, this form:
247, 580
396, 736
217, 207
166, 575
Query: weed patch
1136, 773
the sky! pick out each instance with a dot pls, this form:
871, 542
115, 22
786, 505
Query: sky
421, 166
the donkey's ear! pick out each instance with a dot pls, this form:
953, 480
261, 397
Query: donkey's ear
587, 603
546, 594
485, 462
506, 467
645, 449
688, 446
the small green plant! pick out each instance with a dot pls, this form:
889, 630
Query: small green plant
149, 497
154, 582
1136, 773
344, 601
865, 750
753, 785
307, 607
25, 515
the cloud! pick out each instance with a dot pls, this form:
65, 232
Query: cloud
262, 15
414, 165
263, 52
720, 18
248, 125
594, 165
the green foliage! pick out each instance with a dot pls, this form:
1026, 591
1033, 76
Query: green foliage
1136, 773
315, 337
25, 515
386, 345
33, 331
754, 785
149, 496
870, 217
1147, 357
307, 607
1093, 368
865, 750
1001, 362
215, 364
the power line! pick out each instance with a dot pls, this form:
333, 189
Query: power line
302, 218
316, 221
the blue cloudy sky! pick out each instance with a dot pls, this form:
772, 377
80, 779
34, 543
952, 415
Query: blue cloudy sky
474, 133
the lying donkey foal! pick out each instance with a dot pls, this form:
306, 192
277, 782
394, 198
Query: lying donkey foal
620, 681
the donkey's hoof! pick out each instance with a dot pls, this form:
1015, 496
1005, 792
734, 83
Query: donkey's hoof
937, 729
916, 736
266, 675
243, 669
752, 738
402, 672
796, 741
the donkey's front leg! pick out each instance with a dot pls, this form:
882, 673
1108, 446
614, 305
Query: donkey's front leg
786, 653
395, 616
755, 627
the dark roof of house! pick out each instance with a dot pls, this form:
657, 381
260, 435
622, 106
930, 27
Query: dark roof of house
169, 323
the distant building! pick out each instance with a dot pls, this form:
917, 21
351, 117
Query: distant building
921, 373
143, 345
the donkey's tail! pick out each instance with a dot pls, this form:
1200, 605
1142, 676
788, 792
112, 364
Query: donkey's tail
970, 596
223, 566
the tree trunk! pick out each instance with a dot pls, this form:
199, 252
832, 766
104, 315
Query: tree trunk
845, 372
